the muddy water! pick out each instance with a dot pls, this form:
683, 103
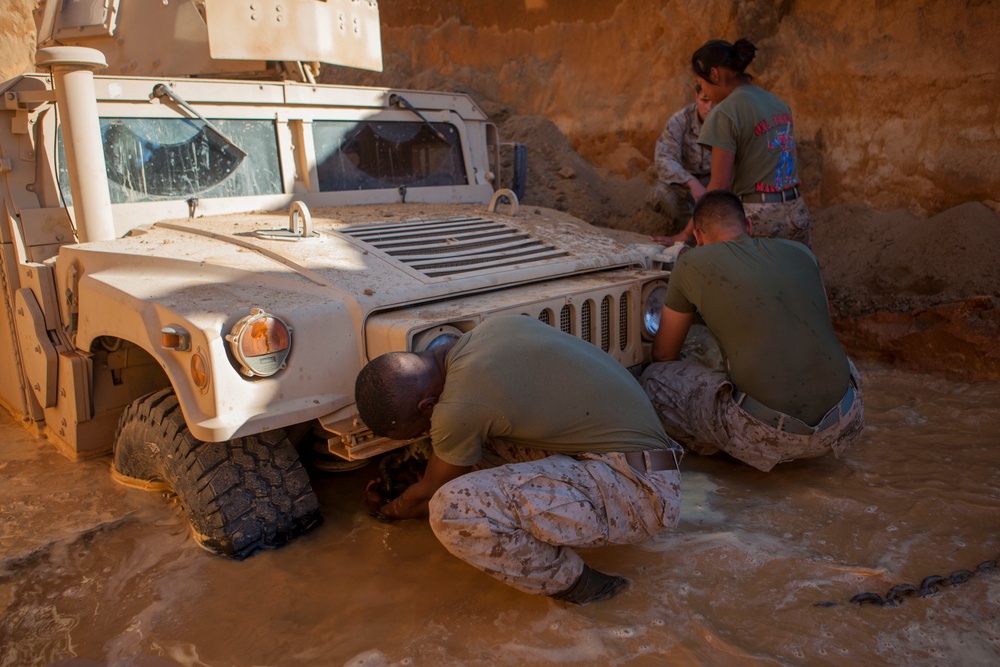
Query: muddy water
92, 573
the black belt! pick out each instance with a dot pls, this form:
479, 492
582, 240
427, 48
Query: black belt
659, 459
790, 424
770, 197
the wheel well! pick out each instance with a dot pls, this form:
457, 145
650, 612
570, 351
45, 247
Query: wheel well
122, 372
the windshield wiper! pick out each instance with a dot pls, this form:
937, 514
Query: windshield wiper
398, 100
161, 90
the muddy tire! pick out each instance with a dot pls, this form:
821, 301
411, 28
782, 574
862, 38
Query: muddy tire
240, 496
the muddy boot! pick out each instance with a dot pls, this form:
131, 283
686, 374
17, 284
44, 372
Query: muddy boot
592, 586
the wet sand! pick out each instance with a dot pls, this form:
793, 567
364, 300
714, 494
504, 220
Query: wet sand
92, 573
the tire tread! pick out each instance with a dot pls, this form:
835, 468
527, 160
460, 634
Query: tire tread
240, 496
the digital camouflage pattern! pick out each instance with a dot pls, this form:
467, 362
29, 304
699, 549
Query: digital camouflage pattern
696, 407
679, 158
517, 521
781, 220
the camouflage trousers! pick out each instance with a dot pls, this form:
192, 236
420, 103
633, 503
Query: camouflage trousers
697, 408
517, 522
781, 220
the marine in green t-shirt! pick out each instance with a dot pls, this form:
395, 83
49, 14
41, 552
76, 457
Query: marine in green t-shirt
763, 300
751, 134
587, 462
521, 381
788, 390
756, 127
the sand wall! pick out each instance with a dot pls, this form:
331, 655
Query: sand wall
897, 104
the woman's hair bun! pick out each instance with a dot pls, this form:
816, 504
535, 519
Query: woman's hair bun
743, 52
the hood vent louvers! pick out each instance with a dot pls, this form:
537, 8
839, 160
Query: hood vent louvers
450, 246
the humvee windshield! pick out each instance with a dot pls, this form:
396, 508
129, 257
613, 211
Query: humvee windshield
151, 159
371, 155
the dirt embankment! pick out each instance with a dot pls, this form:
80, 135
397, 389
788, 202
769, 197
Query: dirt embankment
919, 293
17, 37
896, 104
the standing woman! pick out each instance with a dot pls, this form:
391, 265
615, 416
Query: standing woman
753, 147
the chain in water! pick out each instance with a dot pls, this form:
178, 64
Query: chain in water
928, 586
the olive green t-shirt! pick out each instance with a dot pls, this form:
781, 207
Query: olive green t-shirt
524, 382
756, 127
764, 301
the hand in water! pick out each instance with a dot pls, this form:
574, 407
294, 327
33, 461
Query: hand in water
373, 497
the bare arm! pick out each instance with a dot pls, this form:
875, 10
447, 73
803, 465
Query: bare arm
723, 163
671, 334
696, 188
412, 503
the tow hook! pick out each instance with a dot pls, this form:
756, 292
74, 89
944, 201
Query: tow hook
507, 195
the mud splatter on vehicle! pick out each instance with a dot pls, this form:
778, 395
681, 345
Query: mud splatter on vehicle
196, 267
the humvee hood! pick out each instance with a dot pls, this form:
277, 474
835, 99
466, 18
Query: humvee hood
389, 256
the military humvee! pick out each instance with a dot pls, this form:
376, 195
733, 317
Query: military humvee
199, 252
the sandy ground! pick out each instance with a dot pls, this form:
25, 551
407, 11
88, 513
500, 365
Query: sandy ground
93, 573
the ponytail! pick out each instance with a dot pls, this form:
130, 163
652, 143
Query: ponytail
744, 52
720, 53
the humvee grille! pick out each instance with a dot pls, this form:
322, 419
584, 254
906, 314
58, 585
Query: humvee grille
579, 322
449, 246
606, 323
623, 322
565, 319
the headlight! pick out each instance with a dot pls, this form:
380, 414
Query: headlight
653, 296
260, 342
432, 338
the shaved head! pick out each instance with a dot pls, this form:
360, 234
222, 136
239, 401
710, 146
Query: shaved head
719, 212
387, 392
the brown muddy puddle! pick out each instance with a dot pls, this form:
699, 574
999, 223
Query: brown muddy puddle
92, 573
